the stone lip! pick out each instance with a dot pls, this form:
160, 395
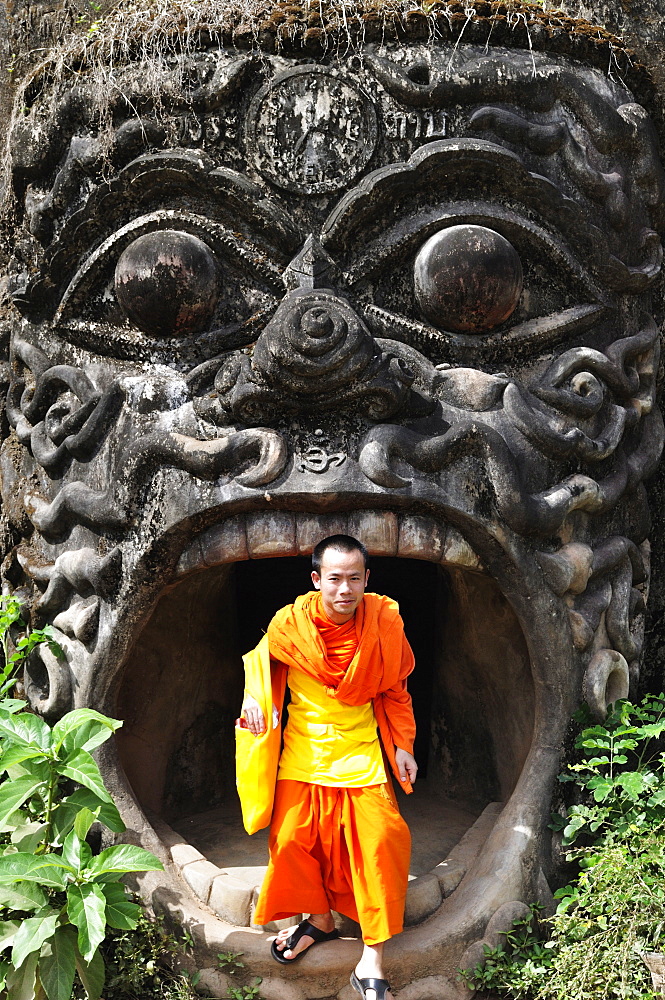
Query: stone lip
458, 898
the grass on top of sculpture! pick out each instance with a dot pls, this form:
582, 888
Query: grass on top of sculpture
99, 38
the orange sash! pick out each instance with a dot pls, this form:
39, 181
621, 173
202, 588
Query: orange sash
376, 673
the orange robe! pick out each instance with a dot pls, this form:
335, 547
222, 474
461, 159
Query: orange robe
331, 846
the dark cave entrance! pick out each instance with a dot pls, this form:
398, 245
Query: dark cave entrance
181, 692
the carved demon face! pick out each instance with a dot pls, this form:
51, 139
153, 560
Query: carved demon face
402, 292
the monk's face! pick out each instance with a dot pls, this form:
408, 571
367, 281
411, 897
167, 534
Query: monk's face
342, 583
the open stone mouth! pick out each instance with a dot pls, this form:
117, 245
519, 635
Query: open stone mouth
474, 698
165, 475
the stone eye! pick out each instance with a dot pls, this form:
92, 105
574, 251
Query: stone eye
167, 283
467, 279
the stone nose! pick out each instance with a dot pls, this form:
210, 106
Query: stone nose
312, 267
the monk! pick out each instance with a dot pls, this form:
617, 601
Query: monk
337, 840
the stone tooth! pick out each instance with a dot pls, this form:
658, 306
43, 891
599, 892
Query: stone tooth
377, 529
311, 528
271, 533
423, 898
225, 542
420, 538
191, 559
458, 552
199, 876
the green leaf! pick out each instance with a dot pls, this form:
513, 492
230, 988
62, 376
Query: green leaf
57, 964
17, 819
38, 769
121, 913
84, 821
26, 729
92, 974
32, 934
21, 982
13, 755
25, 896
66, 812
82, 769
632, 783
83, 729
71, 850
124, 858
601, 790
86, 906
8, 929
11, 705
48, 869
28, 837
14, 793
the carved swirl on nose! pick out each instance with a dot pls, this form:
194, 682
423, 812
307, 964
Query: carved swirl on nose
309, 340
319, 332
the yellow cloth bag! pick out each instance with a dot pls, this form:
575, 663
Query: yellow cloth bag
257, 757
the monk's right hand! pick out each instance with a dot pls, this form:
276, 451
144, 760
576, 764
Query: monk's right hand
253, 715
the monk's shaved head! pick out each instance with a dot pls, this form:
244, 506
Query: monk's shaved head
342, 543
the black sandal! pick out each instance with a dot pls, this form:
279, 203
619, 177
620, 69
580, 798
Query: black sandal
304, 928
380, 986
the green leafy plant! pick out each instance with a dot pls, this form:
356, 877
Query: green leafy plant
141, 963
58, 897
517, 965
228, 962
246, 992
614, 910
622, 772
10, 622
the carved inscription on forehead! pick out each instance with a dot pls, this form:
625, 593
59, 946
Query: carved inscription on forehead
311, 131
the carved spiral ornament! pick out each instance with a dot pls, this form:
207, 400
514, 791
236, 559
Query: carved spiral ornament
314, 343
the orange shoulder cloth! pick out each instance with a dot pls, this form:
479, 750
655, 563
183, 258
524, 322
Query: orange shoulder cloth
377, 672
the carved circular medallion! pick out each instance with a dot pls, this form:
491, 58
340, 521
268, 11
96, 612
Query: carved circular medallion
311, 131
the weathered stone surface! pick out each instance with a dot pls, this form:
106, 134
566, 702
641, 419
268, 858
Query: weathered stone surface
430, 988
376, 529
277, 989
231, 899
200, 876
420, 538
271, 536
451, 871
422, 899
502, 921
216, 983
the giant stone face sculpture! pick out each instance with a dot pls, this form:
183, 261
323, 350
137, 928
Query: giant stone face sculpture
400, 288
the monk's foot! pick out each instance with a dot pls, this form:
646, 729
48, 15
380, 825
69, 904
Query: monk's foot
369, 985
322, 921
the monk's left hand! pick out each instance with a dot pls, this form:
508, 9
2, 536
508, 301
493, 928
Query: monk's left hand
406, 765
